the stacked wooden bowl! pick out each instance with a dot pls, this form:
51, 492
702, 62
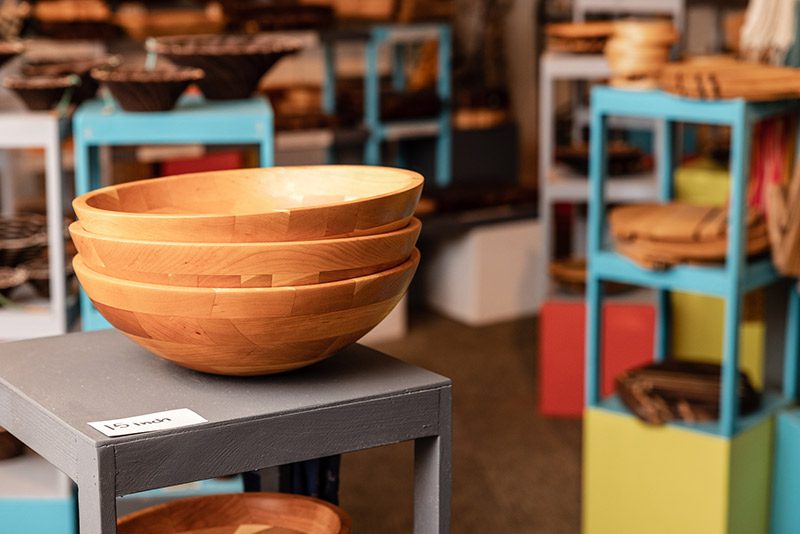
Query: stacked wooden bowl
661, 235
638, 50
252, 271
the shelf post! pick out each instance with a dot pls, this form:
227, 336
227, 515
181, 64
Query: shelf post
444, 141
741, 132
594, 291
665, 137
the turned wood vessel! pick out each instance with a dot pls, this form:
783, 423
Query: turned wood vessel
242, 513
268, 264
255, 205
247, 331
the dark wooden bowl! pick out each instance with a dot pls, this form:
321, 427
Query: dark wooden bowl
22, 238
63, 66
9, 50
10, 446
233, 64
147, 90
227, 514
40, 93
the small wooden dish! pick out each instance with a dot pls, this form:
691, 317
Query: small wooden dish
233, 64
41, 93
64, 66
141, 90
270, 264
239, 513
251, 331
11, 278
255, 205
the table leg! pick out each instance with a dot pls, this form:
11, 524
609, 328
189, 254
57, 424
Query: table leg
97, 503
432, 477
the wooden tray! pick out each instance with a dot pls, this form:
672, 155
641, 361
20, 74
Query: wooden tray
255, 205
243, 513
249, 331
271, 264
724, 78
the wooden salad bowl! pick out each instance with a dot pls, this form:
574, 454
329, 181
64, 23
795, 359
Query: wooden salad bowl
255, 205
247, 331
239, 513
266, 264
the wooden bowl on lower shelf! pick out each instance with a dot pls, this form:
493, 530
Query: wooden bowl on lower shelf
248, 331
40, 93
255, 205
239, 513
270, 264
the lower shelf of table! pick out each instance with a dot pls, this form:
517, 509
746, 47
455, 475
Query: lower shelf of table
706, 280
565, 185
771, 403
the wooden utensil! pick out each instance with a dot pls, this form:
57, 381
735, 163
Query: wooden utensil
247, 331
270, 264
255, 205
240, 513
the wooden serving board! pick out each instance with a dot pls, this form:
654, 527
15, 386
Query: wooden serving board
724, 78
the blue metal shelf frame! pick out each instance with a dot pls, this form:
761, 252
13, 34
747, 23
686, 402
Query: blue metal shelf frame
730, 281
399, 36
96, 124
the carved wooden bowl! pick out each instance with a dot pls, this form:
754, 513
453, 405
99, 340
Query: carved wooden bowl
247, 331
239, 513
233, 64
40, 93
255, 205
9, 50
270, 264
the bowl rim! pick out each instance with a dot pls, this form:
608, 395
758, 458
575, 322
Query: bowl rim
81, 203
82, 269
142, 75
260, 44
414, 225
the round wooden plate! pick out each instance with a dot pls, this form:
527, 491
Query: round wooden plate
248, 331
240, 513
271, 264
255, 205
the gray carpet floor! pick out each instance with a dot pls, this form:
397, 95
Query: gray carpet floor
514, 471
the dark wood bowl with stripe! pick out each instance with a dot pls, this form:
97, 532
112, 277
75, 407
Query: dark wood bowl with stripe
141, 90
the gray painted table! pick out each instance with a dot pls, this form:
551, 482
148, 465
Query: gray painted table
50, 388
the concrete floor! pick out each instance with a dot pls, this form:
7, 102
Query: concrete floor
513, 470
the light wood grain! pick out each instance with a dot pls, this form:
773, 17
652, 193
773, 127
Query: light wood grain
248, 513
270, 264
255, 205
247, 331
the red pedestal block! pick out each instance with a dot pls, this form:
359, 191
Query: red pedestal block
628, 337
213, 161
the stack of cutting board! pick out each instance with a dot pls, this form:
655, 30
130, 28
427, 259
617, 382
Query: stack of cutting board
661, 235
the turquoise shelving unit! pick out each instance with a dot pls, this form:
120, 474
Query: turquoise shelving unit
730, 281
194, 120
399, 37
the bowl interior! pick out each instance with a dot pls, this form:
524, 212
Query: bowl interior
227, 513
251, 191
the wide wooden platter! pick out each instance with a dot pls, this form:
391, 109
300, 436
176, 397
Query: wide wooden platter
242, 513
247, 331
255, 205
270, 264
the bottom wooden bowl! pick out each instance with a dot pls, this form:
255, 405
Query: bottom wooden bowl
242, 513
247, 331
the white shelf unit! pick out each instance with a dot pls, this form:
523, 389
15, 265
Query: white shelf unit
21, 130
32, 477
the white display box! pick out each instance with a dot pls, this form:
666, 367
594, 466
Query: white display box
487, 274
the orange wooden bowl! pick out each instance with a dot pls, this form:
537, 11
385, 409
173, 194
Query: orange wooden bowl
239, 513
247, 331
270, 264
255, 205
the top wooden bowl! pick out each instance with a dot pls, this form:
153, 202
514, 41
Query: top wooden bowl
240, 513
249, 205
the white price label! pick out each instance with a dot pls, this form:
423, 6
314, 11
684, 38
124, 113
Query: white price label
150, 422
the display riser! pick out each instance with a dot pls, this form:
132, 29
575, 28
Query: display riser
663, 480
628, 342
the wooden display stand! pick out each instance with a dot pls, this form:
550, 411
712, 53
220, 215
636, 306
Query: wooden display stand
664, 480
628, 342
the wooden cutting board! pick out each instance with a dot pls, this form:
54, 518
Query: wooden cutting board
724, 78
